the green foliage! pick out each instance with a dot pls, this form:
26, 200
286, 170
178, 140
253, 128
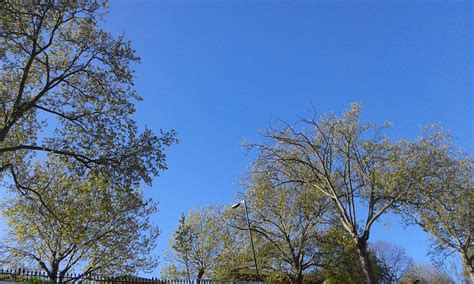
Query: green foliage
425, 274
68, 143
344, 265
66, 89
31, 280
442, 204
236, 259
169, 271
315, 192
288, 220
81, 223
197, 244
360, 170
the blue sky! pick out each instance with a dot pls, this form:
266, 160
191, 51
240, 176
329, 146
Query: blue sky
220, 71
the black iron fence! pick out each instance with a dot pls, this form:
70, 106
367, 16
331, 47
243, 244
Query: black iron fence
38, 277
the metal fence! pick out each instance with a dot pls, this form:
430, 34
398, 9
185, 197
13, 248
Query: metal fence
38, 277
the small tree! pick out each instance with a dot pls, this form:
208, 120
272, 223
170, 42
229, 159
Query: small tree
392, 259
197, 244
426, 274
182, 245
236, 260
87, 226
290, 220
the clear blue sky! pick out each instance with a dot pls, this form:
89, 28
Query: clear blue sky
218, 72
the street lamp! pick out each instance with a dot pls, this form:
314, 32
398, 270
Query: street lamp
250, 232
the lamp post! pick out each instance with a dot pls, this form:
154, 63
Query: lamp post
250, 232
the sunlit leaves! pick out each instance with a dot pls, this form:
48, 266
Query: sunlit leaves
79, 223
197, 244
66, 88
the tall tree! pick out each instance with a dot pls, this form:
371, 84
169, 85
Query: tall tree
290, 219
197, 244
443, 203
359, 169
66, 88
86, 226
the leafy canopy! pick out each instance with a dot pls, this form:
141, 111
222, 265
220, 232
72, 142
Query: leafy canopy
82, 224
66, 89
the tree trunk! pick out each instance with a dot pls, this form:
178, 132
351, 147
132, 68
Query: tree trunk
361, 245
469, 264
297, 279
54, 273
62, 275
199, 276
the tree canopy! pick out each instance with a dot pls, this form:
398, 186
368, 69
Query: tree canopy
66, 89
197, 245
83, 224
362, 171
443, 203
290, 219
316, 189
74, 159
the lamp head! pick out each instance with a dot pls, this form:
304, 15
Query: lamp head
236, 205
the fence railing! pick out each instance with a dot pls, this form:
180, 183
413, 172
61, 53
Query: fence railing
38, 277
